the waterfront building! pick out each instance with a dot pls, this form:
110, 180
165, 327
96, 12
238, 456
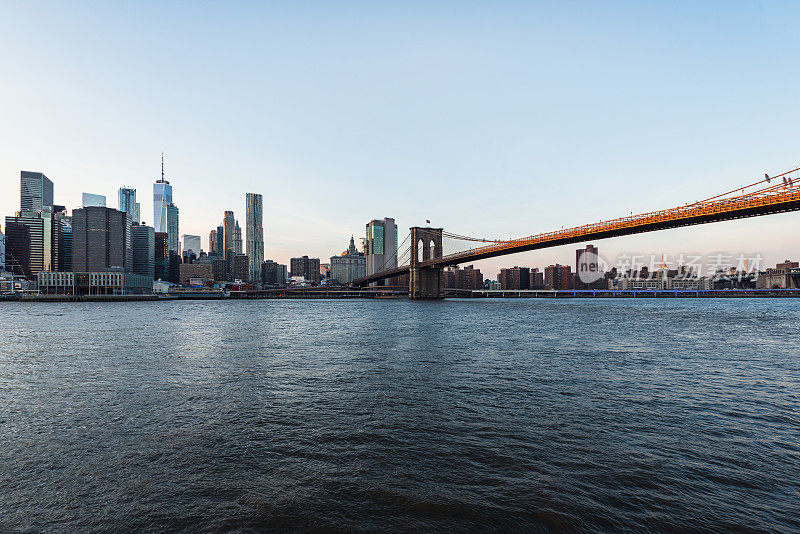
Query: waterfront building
254, 233
101, 240
90, 200
161, 257
172, 228
31, 250
35, 192
237, 238
305, 267
162, 197
515, 278
128, 204
228, 225
143, 244
203, 270
273, 274
348, 265
537, 279
241, 267
380, 245
2, 252
785, 275
587, 269
56, 283
467, 278
93, 283
558, 277
219, 267
191, 243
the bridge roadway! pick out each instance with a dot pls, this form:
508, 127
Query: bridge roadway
778, 198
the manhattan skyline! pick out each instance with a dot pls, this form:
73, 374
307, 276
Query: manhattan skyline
487, 122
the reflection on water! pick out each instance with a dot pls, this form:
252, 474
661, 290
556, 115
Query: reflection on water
376, 415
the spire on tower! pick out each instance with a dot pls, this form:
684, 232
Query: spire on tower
162, 166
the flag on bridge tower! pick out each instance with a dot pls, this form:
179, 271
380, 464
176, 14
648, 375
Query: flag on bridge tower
427, 221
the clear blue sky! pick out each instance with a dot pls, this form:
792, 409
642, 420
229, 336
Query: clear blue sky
496, 119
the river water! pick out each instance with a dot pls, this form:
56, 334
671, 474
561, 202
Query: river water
374, 415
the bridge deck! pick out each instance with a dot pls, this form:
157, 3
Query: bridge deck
774, 199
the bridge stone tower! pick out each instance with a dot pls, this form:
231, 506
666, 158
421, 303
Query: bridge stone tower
425, 282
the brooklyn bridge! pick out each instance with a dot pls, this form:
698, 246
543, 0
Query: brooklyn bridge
421, 255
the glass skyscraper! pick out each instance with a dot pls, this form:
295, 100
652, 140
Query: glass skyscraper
381, 245
162, 197
128, 204
35, 192
172, 227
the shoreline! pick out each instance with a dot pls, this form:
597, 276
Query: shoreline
315, 294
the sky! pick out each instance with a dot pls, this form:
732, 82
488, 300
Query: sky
490, 119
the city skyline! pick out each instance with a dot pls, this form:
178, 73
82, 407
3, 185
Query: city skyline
489, 110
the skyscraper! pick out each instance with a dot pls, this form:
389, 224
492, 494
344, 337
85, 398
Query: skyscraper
101, 240
161, 259
237, 238
172, 227
35, 192
143, 240
212, 242
39, 236
228, 225
191, 243
128, 204
62, 240
220, 248
91, 200
254, 233
380, 246
18, 249
162, 197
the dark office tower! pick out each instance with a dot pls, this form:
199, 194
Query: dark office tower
40, 243
220, 242
212, 242
161, 258
143, 240
101, 240
62, 230
228, 230
174, 269
273, 274
35, 192
18, 249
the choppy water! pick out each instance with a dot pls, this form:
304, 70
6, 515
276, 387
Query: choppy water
498, 415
